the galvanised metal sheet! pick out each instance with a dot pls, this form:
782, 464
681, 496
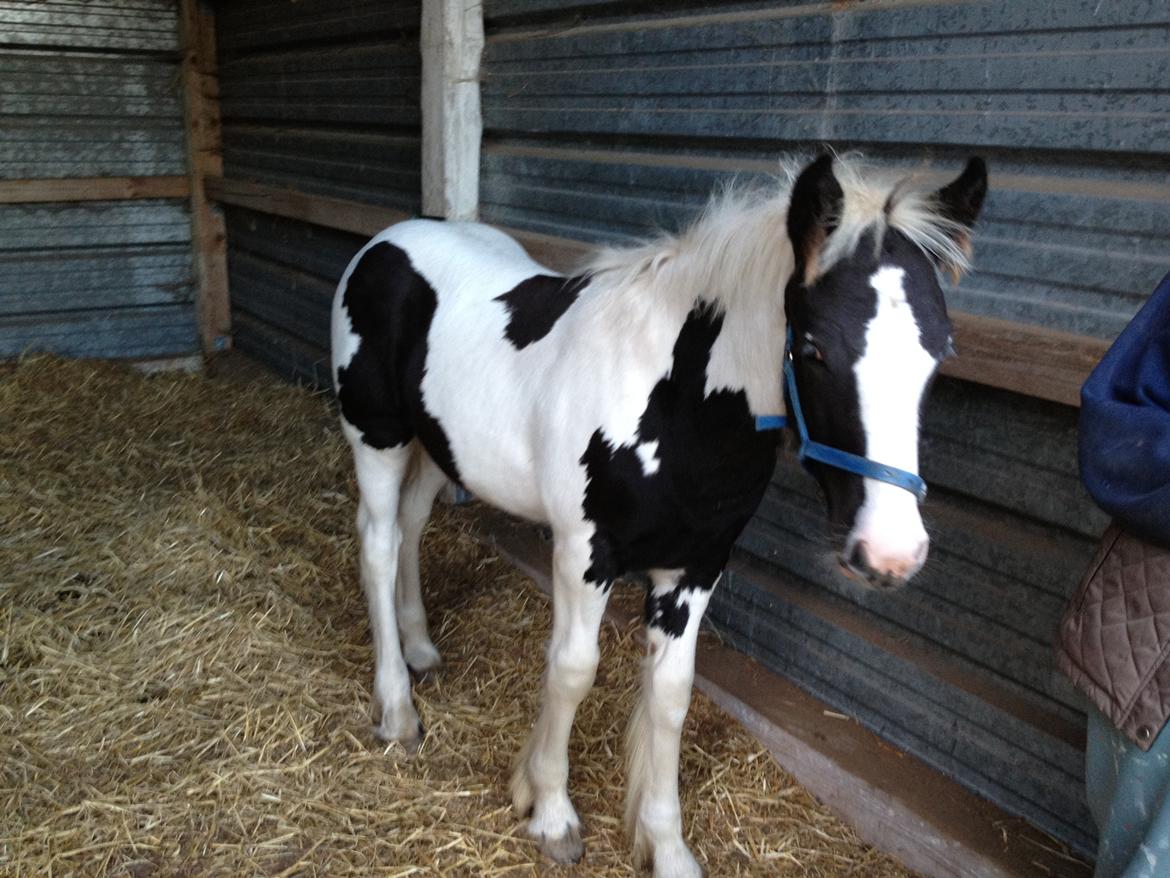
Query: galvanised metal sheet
283, 274
372, 167
944, 726
257, 25
154, 332
90, 279
365, 85
1071, 75
321, 96
60, 226
69, 114
103, 25
1066, 101
605, 120
90, 88
1078, 251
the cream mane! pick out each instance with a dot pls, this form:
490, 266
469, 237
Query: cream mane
739, 245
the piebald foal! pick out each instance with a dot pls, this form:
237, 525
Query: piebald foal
620, 408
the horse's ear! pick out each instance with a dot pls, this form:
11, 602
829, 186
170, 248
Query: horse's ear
961, 199
813, 212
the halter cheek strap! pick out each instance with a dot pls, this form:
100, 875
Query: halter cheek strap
834, 457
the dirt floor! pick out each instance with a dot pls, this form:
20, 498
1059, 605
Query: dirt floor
184, 664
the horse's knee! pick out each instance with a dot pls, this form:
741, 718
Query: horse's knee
572, 667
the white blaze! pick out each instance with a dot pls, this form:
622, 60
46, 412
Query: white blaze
891, 377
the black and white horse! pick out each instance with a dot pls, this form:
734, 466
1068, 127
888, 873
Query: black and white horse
627, 408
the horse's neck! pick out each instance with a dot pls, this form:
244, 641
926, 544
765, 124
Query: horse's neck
740, 265
748, 356
749, 352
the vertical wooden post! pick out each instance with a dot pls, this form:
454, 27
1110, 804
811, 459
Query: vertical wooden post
205, 159
451, 42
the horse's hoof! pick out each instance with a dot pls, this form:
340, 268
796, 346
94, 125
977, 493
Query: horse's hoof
423, 660
675, 861
411, 741
424, 676
565, 849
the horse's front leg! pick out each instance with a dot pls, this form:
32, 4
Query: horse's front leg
674, 610
541, 774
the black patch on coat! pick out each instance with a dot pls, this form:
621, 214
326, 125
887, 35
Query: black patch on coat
667, 611
835, 311
390, 307
713, 469
536, 304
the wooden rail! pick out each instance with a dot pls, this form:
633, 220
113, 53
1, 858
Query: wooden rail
92, 189
1030, 360
320, 210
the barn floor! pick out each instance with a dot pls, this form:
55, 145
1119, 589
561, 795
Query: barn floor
184, 664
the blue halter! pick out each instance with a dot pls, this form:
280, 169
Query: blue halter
825, 454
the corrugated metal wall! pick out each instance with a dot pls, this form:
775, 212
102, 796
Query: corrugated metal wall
601, 121
92, 90
321, 96
604, 119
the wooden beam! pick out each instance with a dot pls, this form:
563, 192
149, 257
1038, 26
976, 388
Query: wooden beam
320, 210
451, 42
92, 189
1030, 360
205, 159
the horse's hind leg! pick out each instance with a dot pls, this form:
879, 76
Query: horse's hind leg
418, 495
380, 473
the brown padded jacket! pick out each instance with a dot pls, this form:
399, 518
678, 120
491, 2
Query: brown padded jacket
1115, 636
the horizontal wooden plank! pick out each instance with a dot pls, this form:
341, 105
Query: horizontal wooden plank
333, 213
92, 189
1030, 360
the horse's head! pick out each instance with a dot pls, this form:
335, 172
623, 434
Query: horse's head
869, 327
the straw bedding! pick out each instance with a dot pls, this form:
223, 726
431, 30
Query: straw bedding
184, 664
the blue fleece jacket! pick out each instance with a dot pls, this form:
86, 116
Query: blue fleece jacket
1125, 424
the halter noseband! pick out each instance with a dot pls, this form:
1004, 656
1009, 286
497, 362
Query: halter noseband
828, 455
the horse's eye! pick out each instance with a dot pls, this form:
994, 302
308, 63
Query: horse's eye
809, 351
